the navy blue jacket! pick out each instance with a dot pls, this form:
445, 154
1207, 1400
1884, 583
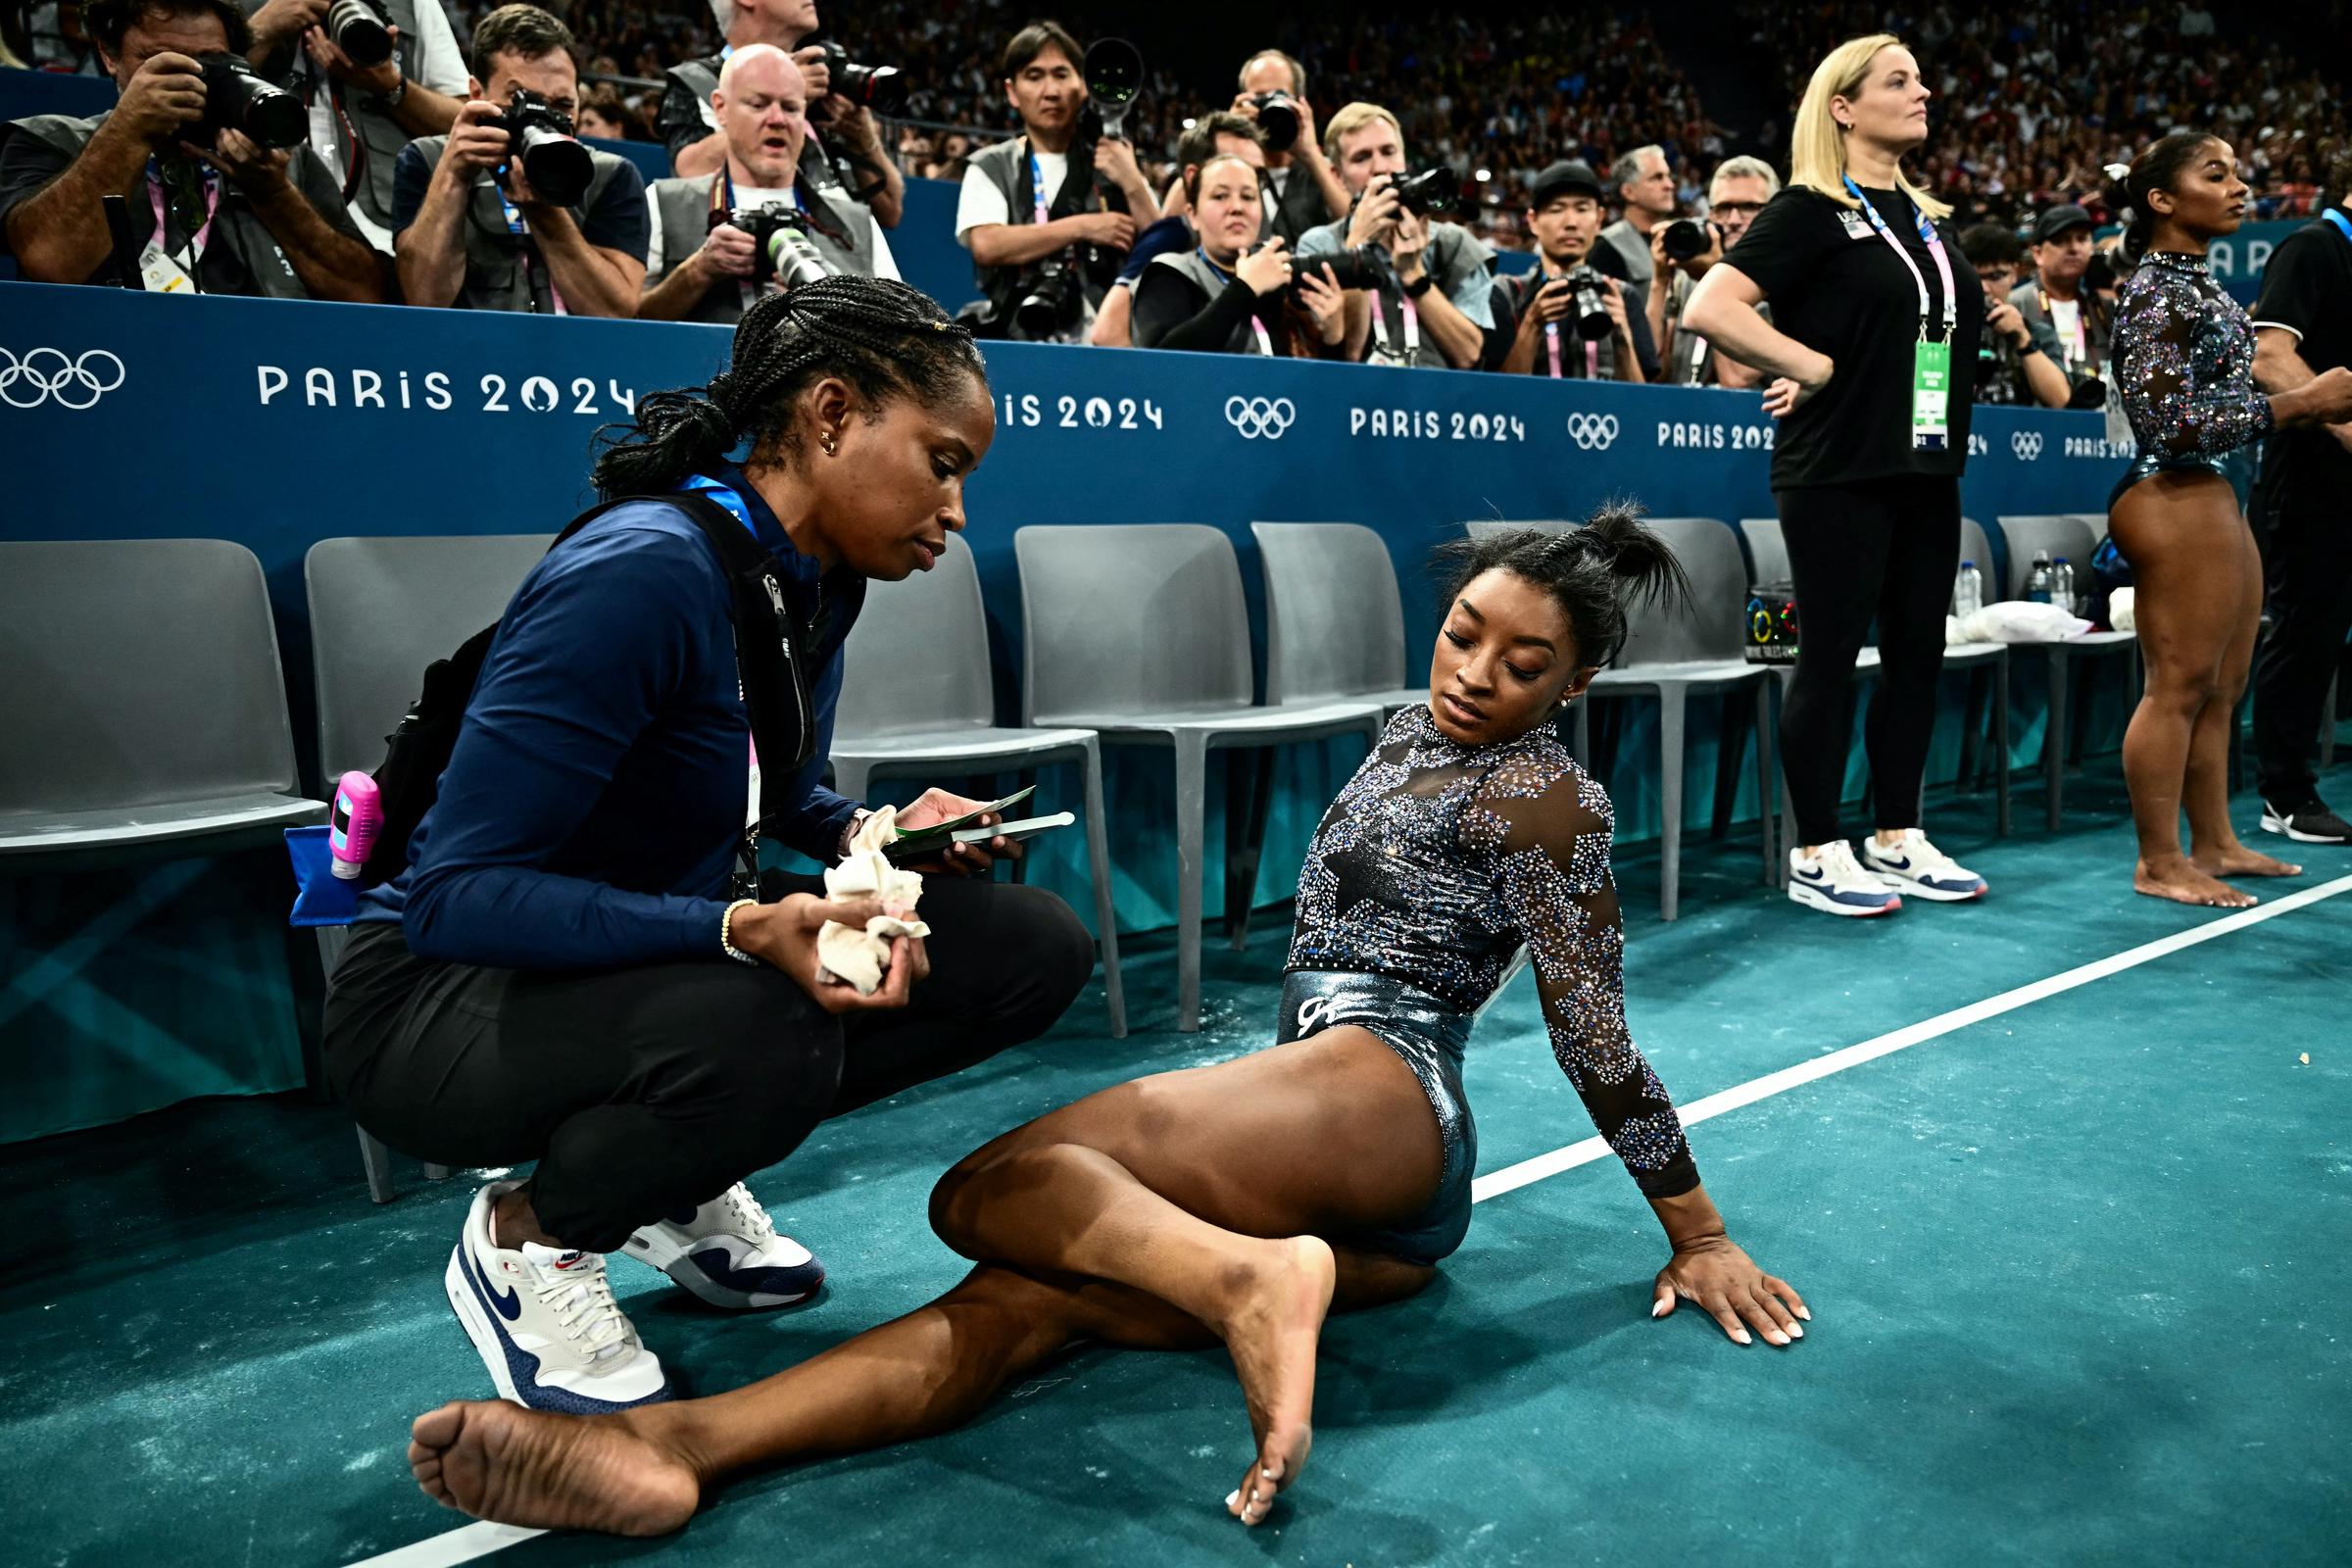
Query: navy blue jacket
596, 794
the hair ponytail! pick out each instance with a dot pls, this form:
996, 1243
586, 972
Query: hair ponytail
1594, 572
2156, 169
884, 340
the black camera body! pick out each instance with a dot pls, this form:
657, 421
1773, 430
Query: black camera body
1277, 120
1591, 316
553, 160
880, 88
1432, 193
238, 97
362, 29
1687, 237
1048, 302
785, 253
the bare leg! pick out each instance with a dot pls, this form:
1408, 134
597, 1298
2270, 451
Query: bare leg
2214, 845
2173, 527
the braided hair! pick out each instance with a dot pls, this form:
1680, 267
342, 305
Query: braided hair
2156, 169
1594, 572
884, 340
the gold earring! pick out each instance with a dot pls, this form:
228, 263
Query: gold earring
827, 441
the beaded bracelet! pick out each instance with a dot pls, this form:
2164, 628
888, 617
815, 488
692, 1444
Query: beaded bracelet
726, 932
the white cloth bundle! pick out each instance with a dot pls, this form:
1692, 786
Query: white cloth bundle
2121, 614
2017, 620
858, 957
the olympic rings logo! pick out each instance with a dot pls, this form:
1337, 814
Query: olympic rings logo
46, 373
2027, 444
1255, 417
1594, 432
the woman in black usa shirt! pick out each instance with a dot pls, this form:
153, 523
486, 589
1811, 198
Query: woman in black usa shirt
1873, 337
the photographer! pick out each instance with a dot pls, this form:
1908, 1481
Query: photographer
469, 227
1566, 318
1735, 196
1212, 135
362, 115
1045, 213
1646, 184
1303, 192
855, 167
1430, 300
759, 99
575, 964
214, 212
2011, 367
1229, 295
2068, 321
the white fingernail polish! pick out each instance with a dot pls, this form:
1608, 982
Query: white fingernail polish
1232, 1499
1795, 1332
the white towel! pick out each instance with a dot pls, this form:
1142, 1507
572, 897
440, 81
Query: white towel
857, 958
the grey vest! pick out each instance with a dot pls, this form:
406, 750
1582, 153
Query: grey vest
495, 276
368, 139
701, 79
1006, 165
234, 224
1212, 283
685, 209
1300, 206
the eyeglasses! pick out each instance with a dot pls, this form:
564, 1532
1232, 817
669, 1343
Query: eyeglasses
1729, 209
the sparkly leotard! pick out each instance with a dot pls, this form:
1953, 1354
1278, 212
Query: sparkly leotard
2184, 362
1437, 862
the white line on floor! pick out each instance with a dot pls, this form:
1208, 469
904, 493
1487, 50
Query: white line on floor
1511, 1177
481, 1540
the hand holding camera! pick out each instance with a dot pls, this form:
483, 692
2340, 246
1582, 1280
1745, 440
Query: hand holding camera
359, 52
1408, 240
1267, 269
2003, 319
165, 93
249, 167
477, 139
1688, 243
1112, 230
281, 20
1115, 161
728, 252
1318, 292
1376, 214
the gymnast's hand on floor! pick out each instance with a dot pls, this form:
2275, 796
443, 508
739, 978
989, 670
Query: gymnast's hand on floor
1719, 1276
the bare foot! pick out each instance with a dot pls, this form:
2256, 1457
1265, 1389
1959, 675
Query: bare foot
2183, 883
1272, 1336
2238, 860
496, 1460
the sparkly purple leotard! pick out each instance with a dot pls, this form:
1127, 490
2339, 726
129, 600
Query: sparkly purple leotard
2184, 366
1437, 862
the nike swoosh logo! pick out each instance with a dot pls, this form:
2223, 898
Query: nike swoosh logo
509, 1304
1812, 874
1892, 864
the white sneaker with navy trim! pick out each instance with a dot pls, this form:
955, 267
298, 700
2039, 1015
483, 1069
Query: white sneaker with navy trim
727, 1253
545, 1323
1917, 866
1828, 880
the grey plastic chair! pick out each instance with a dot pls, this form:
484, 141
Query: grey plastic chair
381, 610
1671, 654
142, 702
1768, 559
1139, 632
1335, 621
2074, 536
917, 699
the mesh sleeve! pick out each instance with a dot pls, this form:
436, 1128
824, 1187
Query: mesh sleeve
2175, 412
1548, 833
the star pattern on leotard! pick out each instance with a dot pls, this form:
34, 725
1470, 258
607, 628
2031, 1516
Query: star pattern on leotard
2184, 362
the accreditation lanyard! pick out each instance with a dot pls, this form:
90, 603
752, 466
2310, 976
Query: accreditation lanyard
725, 189
1551, 341
1930, 362
1258, 328
1413, 331
2343, 224
519, 226
1037, 187
193, 251
734, 504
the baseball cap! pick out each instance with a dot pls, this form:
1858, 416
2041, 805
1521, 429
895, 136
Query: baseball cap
1569, 178
2058, 219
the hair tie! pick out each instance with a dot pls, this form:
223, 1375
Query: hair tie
2119, 173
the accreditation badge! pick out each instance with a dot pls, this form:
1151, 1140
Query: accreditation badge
1930, 395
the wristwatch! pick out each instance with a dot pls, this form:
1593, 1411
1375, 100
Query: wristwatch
392, 99
840, 851
1419, 287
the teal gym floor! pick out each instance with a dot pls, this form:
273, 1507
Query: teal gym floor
2077, 1270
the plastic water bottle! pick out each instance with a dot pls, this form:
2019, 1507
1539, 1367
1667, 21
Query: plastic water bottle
2038, 580
2062, 585
1968, 590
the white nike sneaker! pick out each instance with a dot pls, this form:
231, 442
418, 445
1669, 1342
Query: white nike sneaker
545, 1323
1828, 880
728, 1253
1917, 866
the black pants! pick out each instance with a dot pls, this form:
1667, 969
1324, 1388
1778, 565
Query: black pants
1888, 549
2308, 562
646, 1091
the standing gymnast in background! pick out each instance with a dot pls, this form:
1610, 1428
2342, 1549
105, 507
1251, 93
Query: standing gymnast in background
1241, 1201
2184, 360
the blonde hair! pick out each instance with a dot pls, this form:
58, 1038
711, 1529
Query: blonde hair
1816, 150
1352, 118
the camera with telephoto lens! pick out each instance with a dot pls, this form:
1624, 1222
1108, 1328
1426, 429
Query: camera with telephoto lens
1590, 312
1360, 268
2088, 393
1432, 193
1687, 237
1049, 300
1277, 120
880, 88
360, 29
2098, 274
558, 167
236, 97
783, 250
